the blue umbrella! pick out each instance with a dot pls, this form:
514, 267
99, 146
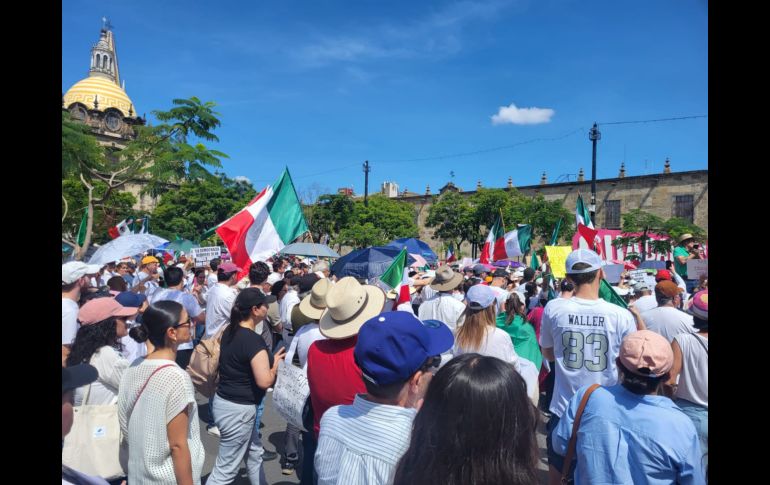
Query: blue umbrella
415, 246
367, 263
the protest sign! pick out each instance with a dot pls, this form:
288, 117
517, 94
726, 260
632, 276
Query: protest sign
652, 264
557, 258
696, 268
202, 256
290, 393
637, 275
612, 272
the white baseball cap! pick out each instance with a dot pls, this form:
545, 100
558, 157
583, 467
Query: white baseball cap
74, 270
479, 297
583, 256
274, 278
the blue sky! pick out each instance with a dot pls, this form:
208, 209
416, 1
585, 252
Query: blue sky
322, 85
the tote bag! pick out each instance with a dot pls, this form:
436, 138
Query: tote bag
93, 444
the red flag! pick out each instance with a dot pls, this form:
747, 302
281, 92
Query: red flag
590, 236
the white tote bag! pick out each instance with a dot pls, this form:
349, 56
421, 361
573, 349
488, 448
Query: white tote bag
291, 389
93, 444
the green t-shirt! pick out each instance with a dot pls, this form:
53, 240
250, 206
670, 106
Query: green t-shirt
681, 269
523, 338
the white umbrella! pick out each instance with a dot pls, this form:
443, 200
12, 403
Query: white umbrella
124, 246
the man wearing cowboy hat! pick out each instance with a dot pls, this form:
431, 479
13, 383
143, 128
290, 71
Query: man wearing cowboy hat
444, 307
685, 251
332, 374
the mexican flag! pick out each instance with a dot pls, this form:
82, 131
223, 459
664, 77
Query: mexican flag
450, 255
585, 226
494, 247
122, 228
145, 227
396, 277
606, 293
271, 221
517, 242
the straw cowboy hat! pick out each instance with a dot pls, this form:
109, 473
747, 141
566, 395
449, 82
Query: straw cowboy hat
685, 237
348, 305
446, 279
391, 295
314, 304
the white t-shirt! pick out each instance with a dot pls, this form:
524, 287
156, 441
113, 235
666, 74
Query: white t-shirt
132, 349
585, 336
501, 294
150, 285
497, 343
305, 337
694, 377
168, 393
668, 321
647, 302
444, 308
110, 365
288, 301
69, 321
211, 280
219, 302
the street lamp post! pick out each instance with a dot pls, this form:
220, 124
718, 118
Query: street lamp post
594, 135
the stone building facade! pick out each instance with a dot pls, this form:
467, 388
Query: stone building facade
667, 194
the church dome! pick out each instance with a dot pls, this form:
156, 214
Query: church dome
109, 95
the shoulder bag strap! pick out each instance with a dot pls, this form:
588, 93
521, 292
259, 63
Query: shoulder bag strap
573, 438
700, 341
145, 385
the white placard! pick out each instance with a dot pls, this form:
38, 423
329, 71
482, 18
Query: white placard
696, 268
202, 256
290, 393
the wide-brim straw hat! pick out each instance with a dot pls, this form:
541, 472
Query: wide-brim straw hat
391, 295
446, 279
348, 305
314, 304
685, 237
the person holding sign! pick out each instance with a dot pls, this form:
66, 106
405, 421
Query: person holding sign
582, 336
685, 251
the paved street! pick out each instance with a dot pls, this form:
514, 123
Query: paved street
272, 439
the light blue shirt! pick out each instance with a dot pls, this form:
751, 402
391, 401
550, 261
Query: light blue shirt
362, 443
628, 438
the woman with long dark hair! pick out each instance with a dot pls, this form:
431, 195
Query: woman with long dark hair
156, 406
246, 370
97, 342
514, 322
476, 425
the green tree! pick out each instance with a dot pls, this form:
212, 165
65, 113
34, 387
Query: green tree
453, 217
329, 216
195, 206
106, 213
639, 221
543, 215
169, 151
383, 220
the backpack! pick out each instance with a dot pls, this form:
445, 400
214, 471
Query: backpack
204, 364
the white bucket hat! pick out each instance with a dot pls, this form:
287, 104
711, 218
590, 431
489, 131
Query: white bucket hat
314, 304
348, 305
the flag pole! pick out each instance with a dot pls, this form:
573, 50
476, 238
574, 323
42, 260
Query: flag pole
501, 219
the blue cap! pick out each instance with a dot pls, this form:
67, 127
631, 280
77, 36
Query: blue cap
129, 298
479, 297
394, 345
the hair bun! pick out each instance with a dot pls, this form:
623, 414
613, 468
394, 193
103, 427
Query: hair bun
140, 333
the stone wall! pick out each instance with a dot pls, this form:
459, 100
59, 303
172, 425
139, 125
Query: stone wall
651, 193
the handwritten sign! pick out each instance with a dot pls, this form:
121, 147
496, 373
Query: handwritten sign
638, 275
612, 273
557, 259
696, 268
202, 256
290, 393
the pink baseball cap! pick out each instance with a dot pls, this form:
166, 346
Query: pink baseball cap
699, 306
98, 309
646, 350
228, 268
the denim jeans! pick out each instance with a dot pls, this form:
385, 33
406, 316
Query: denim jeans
309, 446
700, 418
239, 441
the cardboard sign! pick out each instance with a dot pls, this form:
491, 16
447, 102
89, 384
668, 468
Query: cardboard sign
696, 268
651, 264
612, 273
290, 393
557, 259
202, 256
638, 275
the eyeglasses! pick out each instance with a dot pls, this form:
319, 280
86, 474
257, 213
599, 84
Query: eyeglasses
184, 324
432, 363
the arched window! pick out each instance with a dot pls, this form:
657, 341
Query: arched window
104, 62
110, 63
98, 61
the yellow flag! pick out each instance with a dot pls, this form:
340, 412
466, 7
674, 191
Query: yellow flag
557, 258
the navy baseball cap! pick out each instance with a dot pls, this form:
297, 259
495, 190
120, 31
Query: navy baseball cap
130, 298
394, 345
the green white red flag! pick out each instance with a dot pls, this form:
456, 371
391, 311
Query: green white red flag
517, 242
397, 278
494, 247
585, 226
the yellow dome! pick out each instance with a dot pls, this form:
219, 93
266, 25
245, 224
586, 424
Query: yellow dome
110, 95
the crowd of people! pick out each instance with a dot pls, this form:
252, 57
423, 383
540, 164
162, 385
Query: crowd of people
448, 389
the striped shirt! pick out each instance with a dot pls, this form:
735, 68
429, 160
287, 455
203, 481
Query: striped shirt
362, 443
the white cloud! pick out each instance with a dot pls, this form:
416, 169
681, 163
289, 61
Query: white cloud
522, 116
242, 178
